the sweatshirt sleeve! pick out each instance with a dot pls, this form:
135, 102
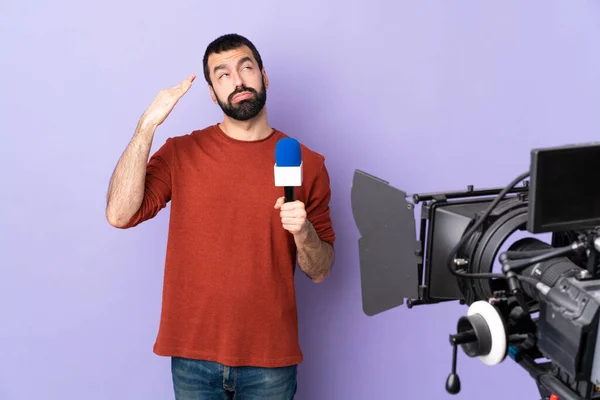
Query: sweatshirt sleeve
317, 207
157, 188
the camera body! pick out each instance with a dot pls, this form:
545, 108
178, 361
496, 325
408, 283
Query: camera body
459, 241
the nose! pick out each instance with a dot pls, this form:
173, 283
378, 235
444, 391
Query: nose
237, 80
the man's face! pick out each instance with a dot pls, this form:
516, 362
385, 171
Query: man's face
238, 85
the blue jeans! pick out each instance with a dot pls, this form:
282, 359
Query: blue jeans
207, 380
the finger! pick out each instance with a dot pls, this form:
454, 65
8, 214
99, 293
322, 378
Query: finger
184, 83
292, 221
293, 205
291, 228
184, 86
292, 214
188, 82
279, 203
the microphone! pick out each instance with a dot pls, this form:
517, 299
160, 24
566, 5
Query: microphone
288, 166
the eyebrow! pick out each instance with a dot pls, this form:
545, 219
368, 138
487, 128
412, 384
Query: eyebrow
240, 62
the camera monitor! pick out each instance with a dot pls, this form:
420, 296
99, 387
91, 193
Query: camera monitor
564, 191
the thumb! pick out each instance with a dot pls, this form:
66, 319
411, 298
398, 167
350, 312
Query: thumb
184, 86
279, 202
188, 82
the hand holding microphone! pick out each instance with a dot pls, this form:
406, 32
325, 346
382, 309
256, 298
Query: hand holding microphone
288, 174
293, 215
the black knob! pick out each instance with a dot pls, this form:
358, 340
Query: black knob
453, 384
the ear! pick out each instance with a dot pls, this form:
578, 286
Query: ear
212, 94
266, 78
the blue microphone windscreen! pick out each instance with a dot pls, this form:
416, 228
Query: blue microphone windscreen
288, 153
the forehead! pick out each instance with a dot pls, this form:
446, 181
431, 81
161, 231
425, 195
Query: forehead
230, 57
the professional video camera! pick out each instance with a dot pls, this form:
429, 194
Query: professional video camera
452, 259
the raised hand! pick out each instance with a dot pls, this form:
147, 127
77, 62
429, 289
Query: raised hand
165, 101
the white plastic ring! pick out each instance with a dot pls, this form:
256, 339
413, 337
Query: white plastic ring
497, 331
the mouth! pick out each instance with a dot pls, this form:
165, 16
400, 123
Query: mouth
241, 97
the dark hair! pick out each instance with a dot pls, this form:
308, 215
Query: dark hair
230, 41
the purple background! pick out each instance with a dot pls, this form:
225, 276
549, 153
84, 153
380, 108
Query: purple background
429, 95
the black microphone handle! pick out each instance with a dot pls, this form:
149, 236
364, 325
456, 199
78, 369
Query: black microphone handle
289, 193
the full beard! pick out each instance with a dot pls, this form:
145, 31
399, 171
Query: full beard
245, 109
